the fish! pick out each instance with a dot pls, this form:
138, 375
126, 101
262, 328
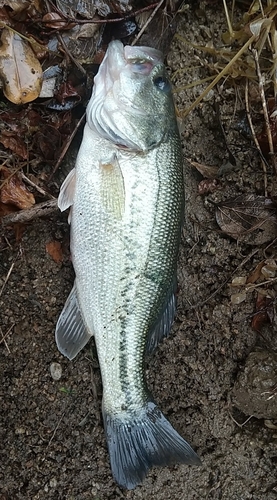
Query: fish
126, 200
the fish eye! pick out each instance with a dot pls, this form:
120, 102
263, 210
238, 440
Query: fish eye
162, 83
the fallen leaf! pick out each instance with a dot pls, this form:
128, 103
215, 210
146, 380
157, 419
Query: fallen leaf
269, 269
15, 5
206, 170
55, 21
239, 280
85, 8
20, 70
248, 217
256, 274
67, 91
12, 141
264, 312
54, 249
13, 191
6, 209
237, 298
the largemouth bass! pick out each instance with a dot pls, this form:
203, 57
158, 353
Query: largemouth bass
126, 199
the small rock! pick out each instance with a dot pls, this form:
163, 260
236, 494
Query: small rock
53, 482
255, 390
56, 371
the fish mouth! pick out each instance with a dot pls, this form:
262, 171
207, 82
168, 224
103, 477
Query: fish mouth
112, 109
138, 59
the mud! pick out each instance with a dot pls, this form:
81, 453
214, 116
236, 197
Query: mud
52, 438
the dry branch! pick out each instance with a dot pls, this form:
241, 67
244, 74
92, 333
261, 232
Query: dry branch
38, 210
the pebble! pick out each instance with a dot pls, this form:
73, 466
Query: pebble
56, 371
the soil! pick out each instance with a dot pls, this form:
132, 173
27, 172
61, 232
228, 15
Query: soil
206, 377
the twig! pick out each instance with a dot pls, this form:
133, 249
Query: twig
38, 210
67, 52
99, 21
265, 111
218, 77
254, 135
67, 144
4, 337
7, 179
55, 430
7, 278
237, 423
230, 28
147, 22
38, 188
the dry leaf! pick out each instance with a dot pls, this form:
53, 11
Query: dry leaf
54, 249
14, 142
20, 70
55, 21
256, 274
15, 5
206, 170
13, 191
248, 217
264, 312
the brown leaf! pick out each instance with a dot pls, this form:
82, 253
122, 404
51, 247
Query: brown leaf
20, 70
67, 91
256, 274
13, 191
54, 249
12, 141
6, 209
206, 170
55, 21
264, 314
15, 5
246, 214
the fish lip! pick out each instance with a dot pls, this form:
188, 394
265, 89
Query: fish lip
133, 56
133, 53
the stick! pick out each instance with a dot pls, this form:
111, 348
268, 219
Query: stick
38, 210
248, 114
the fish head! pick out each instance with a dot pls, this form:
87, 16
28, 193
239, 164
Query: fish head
131, 103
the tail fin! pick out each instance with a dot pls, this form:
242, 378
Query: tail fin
136, 444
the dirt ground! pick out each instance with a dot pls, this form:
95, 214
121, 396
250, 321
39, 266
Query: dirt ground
208, 377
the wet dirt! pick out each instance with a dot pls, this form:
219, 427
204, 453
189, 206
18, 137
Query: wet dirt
52, 438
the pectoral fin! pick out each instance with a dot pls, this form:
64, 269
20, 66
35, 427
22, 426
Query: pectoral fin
71, 332
161, 328
65, 199
112, 187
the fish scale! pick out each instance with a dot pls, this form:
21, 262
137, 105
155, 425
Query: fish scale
127, 201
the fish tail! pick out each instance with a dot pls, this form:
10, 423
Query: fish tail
136, 444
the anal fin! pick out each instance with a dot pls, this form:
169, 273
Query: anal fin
71, 333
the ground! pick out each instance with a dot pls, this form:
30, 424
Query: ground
207, 377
